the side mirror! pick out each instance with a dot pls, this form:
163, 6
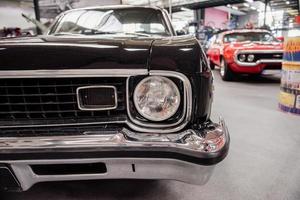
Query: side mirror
180, 32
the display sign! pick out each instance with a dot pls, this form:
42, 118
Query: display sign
289, 98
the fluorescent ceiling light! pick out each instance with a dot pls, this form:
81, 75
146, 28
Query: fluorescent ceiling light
184, 9
246, 5
287, 2
234, 7
253, 8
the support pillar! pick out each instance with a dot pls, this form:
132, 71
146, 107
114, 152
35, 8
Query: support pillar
37, 14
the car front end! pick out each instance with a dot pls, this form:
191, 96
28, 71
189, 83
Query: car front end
118, 106
252, 51
255, 61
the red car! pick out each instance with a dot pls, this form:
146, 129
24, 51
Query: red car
248, 51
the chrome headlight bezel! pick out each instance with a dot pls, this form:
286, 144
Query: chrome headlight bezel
156, 117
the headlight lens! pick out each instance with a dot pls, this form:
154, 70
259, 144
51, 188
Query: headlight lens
250, 58
242, 57
156, 98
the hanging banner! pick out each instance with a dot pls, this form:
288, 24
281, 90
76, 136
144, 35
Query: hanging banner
289, 97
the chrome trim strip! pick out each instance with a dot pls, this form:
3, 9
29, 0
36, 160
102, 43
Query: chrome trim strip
79, 102
167, 21
55, 44
64, 125
117, 168
72, 73
252, 64
187, 107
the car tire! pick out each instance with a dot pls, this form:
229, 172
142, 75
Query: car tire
226, 73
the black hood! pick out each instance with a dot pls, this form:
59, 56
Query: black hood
53, 52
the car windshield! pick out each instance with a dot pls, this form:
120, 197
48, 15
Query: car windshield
130, 21
249, 37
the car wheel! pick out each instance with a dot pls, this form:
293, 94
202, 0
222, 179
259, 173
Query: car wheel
225, 71
211, 64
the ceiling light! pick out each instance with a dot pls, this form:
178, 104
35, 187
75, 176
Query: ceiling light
253, 8
287, 2
184, 9
235, 8
250, 1
228, 5
246, 5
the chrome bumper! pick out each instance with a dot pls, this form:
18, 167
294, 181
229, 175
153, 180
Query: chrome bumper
189, 156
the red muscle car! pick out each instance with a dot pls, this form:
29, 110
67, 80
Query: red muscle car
248, 51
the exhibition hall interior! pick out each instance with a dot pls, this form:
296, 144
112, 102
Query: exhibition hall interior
149, 99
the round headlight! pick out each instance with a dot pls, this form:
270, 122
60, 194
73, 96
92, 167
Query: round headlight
242, 57
250, 58
156, 98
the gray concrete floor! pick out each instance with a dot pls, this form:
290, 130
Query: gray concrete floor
263, 162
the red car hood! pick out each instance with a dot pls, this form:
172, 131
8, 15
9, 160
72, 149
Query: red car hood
255, 46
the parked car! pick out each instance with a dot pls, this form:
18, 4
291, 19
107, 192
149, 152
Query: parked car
248, 51
108, 93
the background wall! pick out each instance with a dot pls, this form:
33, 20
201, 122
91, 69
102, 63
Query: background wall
10, 14
250, 17
215, 18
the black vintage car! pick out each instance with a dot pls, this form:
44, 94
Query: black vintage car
107, 93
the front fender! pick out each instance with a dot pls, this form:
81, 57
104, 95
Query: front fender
185, 55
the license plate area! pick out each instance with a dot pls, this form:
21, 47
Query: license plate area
102, 97
69, 169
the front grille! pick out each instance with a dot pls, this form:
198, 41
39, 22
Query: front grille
268, 56
49, 101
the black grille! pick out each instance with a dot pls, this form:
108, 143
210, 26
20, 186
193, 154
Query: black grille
269, 56
49, 101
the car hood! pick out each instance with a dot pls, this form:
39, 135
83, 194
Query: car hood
58, 52
256, 46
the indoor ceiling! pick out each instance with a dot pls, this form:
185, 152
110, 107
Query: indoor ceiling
289, 5
177, 4
290, 8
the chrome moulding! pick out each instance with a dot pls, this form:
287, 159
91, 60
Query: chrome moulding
261, 61
189, 141
208, 143
72, 73
79, 102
